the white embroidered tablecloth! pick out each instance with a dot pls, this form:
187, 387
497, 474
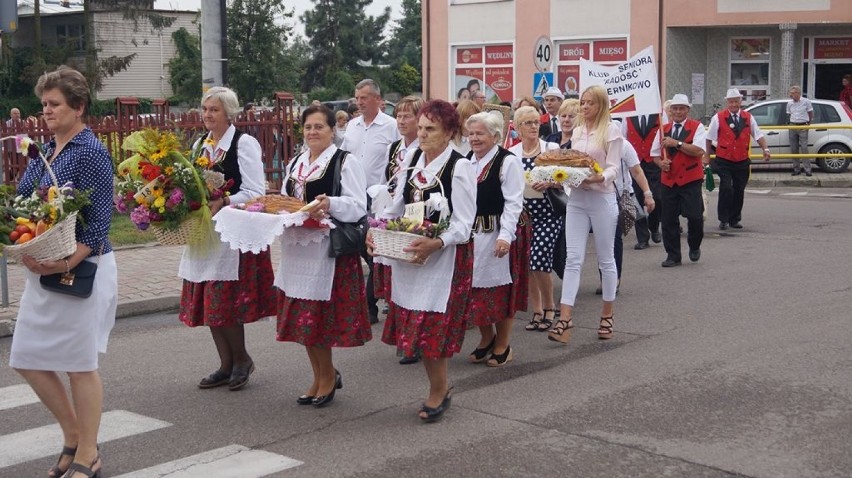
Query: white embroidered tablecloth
255, 231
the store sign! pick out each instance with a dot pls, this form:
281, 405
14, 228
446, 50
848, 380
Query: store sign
499, 55
568, 79
610, 50
500, 81
468, 55
574, 51
832, 48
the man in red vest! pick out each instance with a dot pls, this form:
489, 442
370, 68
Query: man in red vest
682, 178
640, 131
732, 129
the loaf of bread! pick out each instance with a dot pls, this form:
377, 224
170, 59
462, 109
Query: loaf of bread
565, 157
275, 203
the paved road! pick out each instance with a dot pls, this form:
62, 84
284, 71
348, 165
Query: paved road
739, 365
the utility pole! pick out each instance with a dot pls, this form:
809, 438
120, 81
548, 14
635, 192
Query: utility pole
214, 66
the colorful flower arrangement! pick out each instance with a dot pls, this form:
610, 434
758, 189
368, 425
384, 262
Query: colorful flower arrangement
404, 224
160, 186
23, 218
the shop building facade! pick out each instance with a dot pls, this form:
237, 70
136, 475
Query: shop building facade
703, 47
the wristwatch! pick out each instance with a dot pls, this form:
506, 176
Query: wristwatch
679, 144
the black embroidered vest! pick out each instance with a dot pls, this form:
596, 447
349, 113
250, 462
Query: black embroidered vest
445, 175
489, 195
323, 184
394, 150
230, 165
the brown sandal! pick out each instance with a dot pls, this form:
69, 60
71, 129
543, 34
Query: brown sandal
534, 323
605, 328
561, 332
546, 323
55, 471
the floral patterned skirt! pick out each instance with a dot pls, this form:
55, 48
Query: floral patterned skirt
494, 304
339, 322
432, 334
381, 281
227, 303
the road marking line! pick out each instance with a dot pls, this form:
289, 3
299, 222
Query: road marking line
758, 191
17, 396
802, 193
35, 443
229, 461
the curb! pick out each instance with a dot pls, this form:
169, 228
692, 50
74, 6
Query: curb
125, 310
802, 183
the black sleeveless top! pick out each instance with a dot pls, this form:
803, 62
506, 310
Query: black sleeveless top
445, 175
323, 184
230, 165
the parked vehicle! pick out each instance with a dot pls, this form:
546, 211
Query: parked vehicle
820, 140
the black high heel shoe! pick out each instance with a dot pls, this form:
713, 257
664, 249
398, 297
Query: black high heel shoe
435, 414
324, 400
57, 472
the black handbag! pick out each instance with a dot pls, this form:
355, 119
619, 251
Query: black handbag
557, 199
347, 238
77, 282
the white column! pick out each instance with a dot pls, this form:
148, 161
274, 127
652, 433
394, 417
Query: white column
788, 38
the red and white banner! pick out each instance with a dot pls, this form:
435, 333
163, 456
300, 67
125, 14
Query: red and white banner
632, 86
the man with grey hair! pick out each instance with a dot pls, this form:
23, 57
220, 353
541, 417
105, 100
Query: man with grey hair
800, 112
14, 117
368, 137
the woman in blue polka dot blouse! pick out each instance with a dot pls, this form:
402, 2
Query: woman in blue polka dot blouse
61, 333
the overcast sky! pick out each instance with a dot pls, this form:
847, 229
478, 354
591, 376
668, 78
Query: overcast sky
299, 6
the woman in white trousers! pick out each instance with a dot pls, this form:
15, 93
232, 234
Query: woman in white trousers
593, 204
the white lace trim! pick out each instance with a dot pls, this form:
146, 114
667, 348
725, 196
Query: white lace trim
255, 232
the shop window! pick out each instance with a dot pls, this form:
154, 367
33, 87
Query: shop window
71, 36
489, 68
749, 67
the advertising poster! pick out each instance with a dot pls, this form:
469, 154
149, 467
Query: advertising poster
499, 84
467, 80
568, 79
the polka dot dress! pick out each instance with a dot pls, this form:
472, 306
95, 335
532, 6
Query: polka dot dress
545, 228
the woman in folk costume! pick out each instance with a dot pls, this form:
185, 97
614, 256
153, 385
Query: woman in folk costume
322, 303
428, 302
500, 241
223, 288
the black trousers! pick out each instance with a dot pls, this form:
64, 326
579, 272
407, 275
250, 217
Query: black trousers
372, 306
684, 201
733, 177
645, 226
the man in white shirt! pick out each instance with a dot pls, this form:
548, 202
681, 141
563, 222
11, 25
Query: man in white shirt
800, 112
368, 137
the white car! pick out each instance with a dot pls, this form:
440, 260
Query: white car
820, 140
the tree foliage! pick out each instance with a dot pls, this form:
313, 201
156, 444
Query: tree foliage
406, 45
342, 39
185, 67
257, 37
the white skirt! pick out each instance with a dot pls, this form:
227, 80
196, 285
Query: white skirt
63, 333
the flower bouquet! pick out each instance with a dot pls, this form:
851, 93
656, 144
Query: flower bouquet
391, 236
160, 188
42, 225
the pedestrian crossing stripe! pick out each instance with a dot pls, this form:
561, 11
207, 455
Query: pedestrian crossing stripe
226, 462
35, 443
17, 396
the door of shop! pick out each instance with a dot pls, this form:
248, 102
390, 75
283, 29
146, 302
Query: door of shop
827, 80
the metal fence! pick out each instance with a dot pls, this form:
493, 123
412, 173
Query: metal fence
273, 129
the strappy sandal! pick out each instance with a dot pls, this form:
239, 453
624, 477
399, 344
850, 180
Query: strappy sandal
85, 470
561, 332
546, 323
500, 360
605, 328
534, 323
480, 355
435, 414
57, 472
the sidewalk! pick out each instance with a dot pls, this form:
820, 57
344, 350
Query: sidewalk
147, 282
147, 275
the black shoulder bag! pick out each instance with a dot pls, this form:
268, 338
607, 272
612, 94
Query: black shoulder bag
77, 282
347, 238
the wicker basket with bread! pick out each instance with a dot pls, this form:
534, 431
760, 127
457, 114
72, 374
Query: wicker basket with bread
565, 157
276, 203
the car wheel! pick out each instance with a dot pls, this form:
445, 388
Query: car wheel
834, 165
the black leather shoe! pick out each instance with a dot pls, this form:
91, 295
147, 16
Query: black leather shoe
240, 376
324, 400
808, 173
215, 379
409, 360
435, 414
305, 400
641, 245
656, 237
796, 172
670, 263
736, 225
723, 226
695, 255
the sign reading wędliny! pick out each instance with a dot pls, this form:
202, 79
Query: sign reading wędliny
632, 86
